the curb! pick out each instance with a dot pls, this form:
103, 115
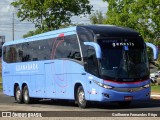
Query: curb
154, 96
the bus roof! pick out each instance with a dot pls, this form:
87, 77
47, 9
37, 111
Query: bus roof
46, 35
102, 30
112, 31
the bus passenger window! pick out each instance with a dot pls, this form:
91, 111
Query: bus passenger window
12, 55
73, 50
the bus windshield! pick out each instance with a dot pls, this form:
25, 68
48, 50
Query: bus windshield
124, 63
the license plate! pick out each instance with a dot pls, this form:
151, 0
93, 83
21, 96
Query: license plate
128, 98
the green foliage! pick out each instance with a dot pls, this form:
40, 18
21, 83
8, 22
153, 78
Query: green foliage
158, 61
31, 33
97, 18
141, 15
39, 31
50, 14
0, 79
155, 88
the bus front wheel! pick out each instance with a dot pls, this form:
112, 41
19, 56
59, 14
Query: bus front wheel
81, 97
26, 96
18, 95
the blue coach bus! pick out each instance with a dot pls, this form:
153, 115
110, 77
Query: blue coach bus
81, 63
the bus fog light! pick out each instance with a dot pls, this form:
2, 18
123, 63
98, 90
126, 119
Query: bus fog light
106, 95
148, 94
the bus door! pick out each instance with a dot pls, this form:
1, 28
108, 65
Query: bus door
92, 69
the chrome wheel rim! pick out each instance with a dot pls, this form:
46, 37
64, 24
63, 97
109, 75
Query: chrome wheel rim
26, 95
18, 94
81, 97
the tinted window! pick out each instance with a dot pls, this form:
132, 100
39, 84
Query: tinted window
92, 65
54, 48
84, 36
10, 54
68, 47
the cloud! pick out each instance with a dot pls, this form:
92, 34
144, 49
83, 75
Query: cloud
97, 5
6, 21
21, 28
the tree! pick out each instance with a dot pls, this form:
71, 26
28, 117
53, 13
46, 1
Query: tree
97, 18
50, 14
31, 33
141, 15
39, 31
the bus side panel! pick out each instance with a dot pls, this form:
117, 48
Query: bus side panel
8, 85
62, 79
49, 80
40, 85
32, 86
36, 85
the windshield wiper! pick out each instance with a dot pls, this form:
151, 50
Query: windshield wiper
126, 63
122, 63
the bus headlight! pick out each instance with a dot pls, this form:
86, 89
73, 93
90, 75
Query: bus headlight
147, 86
103, 85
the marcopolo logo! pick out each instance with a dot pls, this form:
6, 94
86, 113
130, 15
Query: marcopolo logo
27, 67
123, 44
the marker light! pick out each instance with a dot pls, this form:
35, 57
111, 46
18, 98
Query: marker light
103, 85
147, 86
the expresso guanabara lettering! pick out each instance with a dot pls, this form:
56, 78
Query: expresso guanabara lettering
26, 67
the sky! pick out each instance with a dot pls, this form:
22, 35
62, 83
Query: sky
21, 28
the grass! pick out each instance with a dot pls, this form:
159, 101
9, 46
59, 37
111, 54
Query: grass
155, 88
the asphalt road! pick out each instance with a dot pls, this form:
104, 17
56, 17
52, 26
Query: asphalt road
8, 103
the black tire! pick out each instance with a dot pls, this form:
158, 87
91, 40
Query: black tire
82, 103
124, 103
26, 97
18, 95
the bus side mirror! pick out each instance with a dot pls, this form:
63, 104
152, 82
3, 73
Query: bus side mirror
96, 47
155, 50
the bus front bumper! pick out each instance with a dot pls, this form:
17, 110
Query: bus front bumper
111, 95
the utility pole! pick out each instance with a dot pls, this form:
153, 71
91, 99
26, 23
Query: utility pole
13, 24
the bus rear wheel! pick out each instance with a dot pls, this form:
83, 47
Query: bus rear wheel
18, 95
26, 96
82, 103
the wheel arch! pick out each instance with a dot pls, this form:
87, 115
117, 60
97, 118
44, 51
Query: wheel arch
24, 84
15, 86
76, 88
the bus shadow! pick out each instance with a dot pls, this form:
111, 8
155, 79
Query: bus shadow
56, 102
133, 105
154, 103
